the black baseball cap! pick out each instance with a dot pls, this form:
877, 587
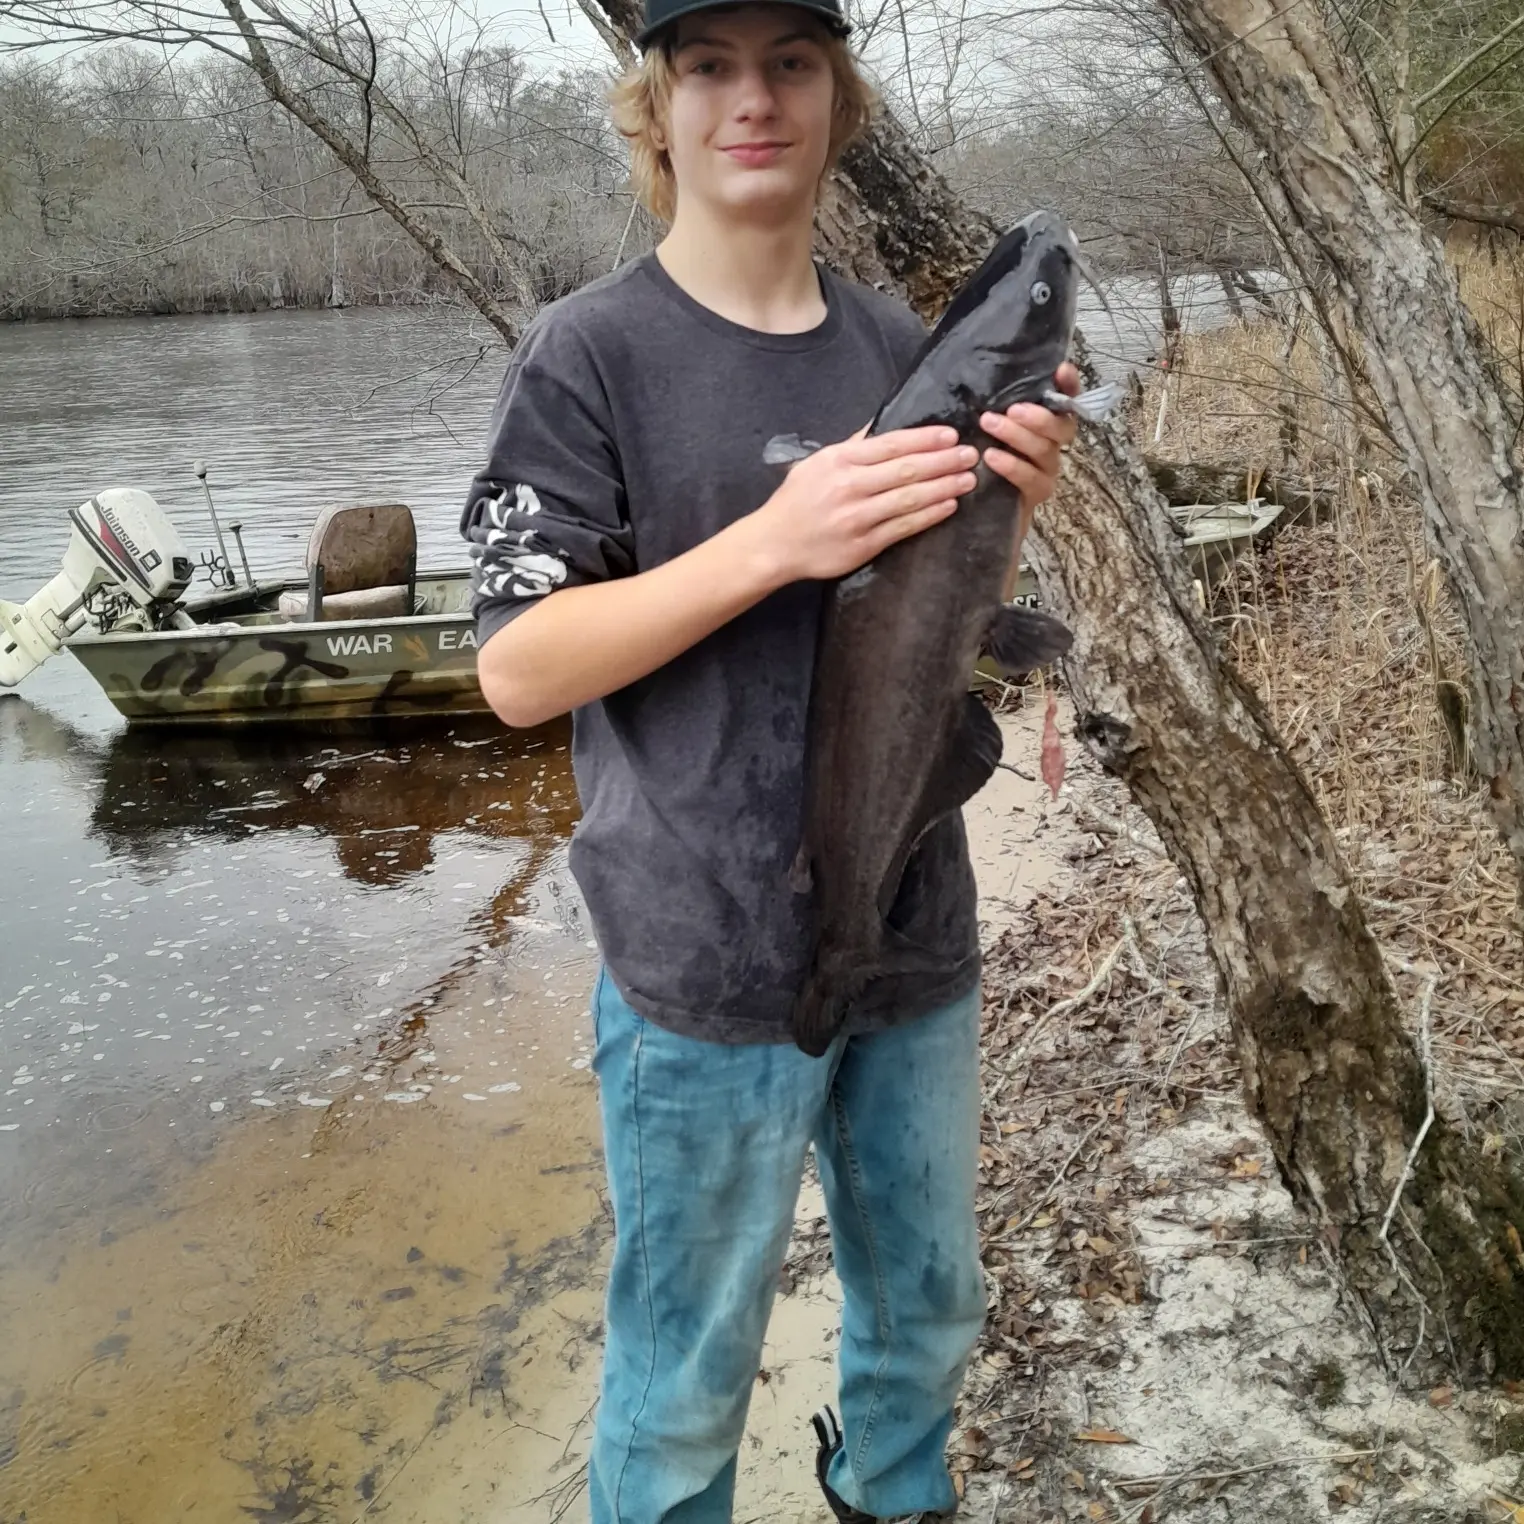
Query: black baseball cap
659, 13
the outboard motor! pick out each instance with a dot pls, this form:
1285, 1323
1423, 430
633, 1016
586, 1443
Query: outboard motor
122, 550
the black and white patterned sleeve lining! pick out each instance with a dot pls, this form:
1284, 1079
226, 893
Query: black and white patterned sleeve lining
510, 559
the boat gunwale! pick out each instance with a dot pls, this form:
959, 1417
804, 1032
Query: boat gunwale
90, 638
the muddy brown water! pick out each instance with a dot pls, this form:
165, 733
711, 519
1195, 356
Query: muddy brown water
297, 1135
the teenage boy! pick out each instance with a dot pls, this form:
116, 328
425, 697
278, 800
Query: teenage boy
637, 563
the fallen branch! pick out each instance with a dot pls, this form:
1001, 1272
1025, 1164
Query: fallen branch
1089, 815
1166, 1482
1185, 484
1481, 216
1069, 1004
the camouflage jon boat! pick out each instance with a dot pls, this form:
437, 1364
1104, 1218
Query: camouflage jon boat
361, 637
243, 661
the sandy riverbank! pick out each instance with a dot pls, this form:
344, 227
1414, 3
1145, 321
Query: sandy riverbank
388, 1311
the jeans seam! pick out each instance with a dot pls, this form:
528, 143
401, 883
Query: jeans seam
880, 1294
645, 1260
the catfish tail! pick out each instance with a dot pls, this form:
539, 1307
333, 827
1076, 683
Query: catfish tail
819, 1014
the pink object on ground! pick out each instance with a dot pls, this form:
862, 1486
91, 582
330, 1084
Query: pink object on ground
1052, 747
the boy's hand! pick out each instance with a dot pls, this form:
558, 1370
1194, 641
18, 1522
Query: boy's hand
1035, 439
839, 508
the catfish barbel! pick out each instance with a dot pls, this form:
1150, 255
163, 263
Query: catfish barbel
896, 741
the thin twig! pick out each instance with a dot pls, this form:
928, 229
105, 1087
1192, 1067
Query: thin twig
1165, 1482
1426, 1057
1425, 1041
1053, 1185
629, 222
1064, 1006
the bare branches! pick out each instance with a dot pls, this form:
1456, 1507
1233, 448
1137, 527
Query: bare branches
1475, 57
355, 159
173, 179
1502, 218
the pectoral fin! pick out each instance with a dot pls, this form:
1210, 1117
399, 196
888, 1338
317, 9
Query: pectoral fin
969, 760
1094, 406
1021, 640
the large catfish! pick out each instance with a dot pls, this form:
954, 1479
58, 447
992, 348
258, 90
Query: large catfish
896, 740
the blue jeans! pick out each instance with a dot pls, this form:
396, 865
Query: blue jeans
706, 1146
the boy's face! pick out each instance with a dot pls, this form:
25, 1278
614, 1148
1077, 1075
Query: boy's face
749, 124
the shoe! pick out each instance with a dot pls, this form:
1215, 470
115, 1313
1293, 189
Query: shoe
828, 1432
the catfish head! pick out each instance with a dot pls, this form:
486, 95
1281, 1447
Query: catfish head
1003, 337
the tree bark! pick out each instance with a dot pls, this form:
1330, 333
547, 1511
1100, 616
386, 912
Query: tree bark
892, 219
1285, 84
1328, 1067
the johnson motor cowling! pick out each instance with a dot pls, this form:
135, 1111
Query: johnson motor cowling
122, 544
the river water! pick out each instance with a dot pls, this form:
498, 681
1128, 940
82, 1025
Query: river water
293, 1055
297, 1134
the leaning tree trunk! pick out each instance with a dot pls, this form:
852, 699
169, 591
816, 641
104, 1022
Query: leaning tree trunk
1287, 86
1329, 1066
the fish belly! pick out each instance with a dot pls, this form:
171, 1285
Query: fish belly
896, 653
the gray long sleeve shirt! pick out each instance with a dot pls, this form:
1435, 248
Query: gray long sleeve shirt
630, 428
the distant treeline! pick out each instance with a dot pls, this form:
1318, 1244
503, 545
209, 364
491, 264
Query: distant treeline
128, 186
132, 181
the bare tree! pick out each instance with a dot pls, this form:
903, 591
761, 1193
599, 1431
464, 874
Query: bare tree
190, 187
1338, 186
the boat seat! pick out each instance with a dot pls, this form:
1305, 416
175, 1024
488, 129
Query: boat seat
362, 563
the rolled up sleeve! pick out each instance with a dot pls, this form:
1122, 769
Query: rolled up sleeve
548, 509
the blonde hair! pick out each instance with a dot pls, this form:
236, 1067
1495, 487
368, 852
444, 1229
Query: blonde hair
639, 102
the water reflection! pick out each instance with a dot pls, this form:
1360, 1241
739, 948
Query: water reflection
209, 923
382, 805
295, 1072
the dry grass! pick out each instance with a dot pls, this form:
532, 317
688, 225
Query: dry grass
1252, 395
1348, 632
1493, 286
1279, 394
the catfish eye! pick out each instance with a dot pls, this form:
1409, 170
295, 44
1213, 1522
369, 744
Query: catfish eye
1041, 292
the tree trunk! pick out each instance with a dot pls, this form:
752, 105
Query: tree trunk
1328, 1067
891, 218
1285, 84
1230, 294
1328, 1064
1169, 314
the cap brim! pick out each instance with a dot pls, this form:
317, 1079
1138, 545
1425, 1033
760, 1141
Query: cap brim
834, 21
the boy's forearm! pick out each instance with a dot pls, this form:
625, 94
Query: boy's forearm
581, 643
